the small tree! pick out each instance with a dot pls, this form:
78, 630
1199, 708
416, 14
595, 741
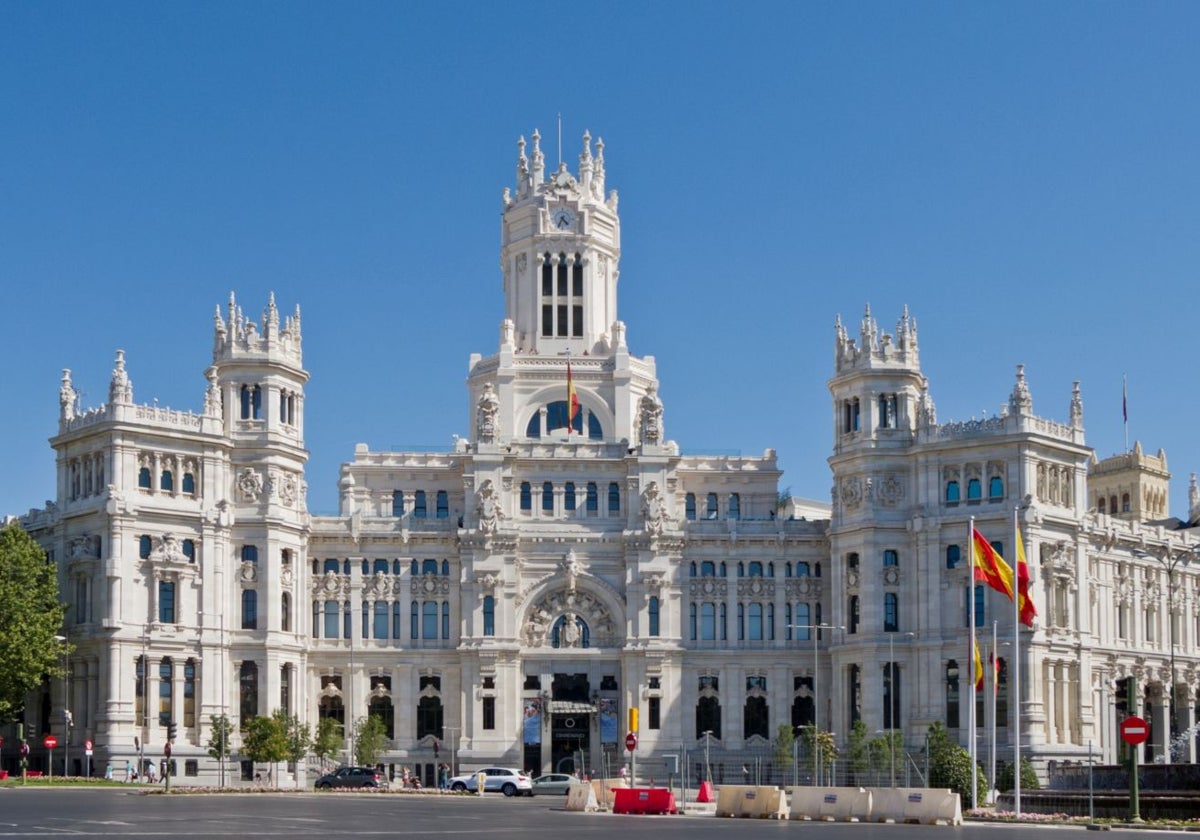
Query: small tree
298, 738
859, 755
328, 742
1029, 777
950, 766
819, 743
218, 743
370, 740
783, 746
265, 740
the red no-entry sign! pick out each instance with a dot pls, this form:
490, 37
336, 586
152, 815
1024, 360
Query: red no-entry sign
1134, 730
50, 742
631, 742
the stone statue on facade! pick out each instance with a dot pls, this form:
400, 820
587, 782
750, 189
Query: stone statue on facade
570, 630
653, 509
650, 418
487, 506
488, 415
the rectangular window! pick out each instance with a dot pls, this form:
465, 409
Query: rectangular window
191, 767
429, 620
489, 712
166, 602
547, 319
331, 620
381, 620
562, 320
577, 320
653, 713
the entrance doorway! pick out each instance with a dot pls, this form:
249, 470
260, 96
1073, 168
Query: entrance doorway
571, 712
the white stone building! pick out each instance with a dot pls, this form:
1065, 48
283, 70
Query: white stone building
511, 600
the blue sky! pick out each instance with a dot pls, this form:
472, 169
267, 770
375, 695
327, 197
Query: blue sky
1023, 176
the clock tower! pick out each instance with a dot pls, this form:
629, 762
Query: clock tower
559, 254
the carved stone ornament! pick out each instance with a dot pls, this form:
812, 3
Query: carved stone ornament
487, 506
286, 577
572, 606
249, 571
756, 587
572, 568
488, 415
430, 585
288, 489
654, 510
851, 492
167, 549
891, 491
83, 548
650, 417
250, 484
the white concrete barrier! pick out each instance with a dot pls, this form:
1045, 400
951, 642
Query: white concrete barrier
603, 789
805, 802
930, 806
887, 804
729, 800
582, 798
764, 802
846, 804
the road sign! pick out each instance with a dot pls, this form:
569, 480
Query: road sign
87, 747
631, 742
1134, 730
50, 742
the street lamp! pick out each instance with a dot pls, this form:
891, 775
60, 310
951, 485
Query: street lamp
1170, 563
815, 629
892, 706
66, 687
707, 735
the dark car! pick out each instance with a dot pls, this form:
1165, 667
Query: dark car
351, 777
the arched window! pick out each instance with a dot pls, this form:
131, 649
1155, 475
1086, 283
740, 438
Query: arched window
285, 612
756, 568
735, 506
891, 557
397, 503
419, 508
654, 615
708, 717
708, 568
445, 568
569, 496
952, 496
429, 567
1102, 504
166, 481
689, 506
381, 707
249, 609
547, 497
144, 546
995, 488
974, 490
593, 498
189, 693
189, 483
443, 505
489, 616
526, 496
560, 637
802, 703
1112, 505
891, 613
710, 511
248, 691
165, 679
379, 566
741, 569
755, 717
249, 554
144, 480
614, 498
1125, 503
953, 556
429, 717
802, 569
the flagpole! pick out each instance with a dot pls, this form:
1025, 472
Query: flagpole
971, 658
1125, 407
992, 664
1016, 665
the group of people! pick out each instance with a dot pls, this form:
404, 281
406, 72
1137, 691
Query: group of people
132, 775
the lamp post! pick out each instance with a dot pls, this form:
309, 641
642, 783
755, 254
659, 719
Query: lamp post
141, 768
1170, 563
892, 705
66, 687
707, 734
815, 629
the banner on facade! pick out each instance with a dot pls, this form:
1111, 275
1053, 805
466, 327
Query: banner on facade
608, 721
531, 725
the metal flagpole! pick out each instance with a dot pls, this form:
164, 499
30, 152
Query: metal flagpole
971, 659
993, 664
1016, 665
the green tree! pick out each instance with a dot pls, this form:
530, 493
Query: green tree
370, 740
859, 753
265, 741
218, 743
783, 746
299, 739
950, 766
328, 742
1029, 778
30, 617
819, 743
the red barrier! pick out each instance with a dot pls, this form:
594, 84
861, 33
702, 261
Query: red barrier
644, 801
706, 793
3, 775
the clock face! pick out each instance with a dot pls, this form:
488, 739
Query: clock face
563, 218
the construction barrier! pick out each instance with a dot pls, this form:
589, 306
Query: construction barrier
643, 801
729, 800
840, 804
751, 801
706, 793
604, 791
928, 806
582, 798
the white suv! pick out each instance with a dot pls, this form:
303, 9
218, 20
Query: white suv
506, 780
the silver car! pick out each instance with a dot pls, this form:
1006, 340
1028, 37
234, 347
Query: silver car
557, 784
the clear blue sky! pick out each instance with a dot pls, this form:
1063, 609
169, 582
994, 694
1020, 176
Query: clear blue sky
1024, 176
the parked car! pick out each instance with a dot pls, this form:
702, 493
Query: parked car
506, 780
351, 777
557, 784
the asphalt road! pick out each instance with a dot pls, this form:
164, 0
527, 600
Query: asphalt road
115, 813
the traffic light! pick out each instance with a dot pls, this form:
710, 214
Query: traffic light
1122, 696
172, 730
633, 719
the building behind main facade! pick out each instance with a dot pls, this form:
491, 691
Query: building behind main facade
512, 599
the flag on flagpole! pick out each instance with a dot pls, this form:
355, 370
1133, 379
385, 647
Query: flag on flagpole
1028, 611
572, 400
978, 674
995, 663
990, 567
1125, 399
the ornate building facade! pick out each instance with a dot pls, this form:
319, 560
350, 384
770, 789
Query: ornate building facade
510, 600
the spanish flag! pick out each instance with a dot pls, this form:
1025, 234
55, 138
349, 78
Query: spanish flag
978, 673
1027, 609
991, 568
572, 400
